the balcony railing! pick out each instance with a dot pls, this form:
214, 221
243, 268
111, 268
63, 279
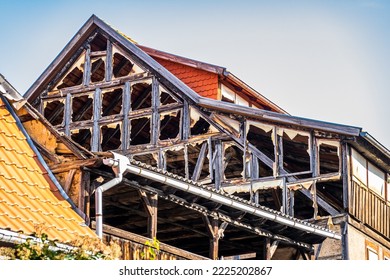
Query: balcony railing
134, 246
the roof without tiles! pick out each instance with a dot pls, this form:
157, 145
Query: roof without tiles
28, 197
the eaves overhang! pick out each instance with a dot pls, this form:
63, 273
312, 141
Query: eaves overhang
278, 118
168, 179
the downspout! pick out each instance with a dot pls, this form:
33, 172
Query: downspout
119, 166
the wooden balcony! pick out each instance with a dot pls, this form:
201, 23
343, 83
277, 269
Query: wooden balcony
370, 209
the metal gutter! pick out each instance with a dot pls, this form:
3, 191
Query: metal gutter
18, 238
179, 183
370, 139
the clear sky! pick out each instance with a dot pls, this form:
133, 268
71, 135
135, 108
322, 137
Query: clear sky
325, 60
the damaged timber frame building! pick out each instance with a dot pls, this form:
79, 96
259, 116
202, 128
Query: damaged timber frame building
180, 150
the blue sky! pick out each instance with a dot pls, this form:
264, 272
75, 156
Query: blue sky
325, 60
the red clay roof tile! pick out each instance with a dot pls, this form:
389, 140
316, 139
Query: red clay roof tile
203, 82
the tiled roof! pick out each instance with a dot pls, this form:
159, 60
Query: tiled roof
202, 82
26, 191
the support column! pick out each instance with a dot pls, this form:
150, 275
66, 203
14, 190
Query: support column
266, 249
218, 164
213, 231
315, 168
97, 103
150, 204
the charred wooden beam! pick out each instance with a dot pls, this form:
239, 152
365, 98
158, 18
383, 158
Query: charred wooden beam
71, 61
74, 164
125, 111
150, 204
213, 232
46, 153
95, 142
85, 192
210, 155
87, 67
285, 197
185, 129
199, 162
346, 175
266, 249
155, 121
67, 114
80, 89
109, 58
218, 164
69, 180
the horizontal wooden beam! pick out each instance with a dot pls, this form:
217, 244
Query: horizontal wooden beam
74, 164
109, 230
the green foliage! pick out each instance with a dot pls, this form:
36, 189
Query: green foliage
152, 250
39, 247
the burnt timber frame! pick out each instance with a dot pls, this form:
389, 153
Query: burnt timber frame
210, 142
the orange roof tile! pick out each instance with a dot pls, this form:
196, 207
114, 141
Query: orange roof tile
26, 199
202, 82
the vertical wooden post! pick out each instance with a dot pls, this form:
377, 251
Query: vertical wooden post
344, 240
346, 175
85, 192
315, 168
278, 152
214, 244
266, 249
109, 58
41, 107
254, 167
152, 220
150, 204
95, 145
160, 162
155, 132
185, 130
291, 203
67, 113
186, 168
87, 67
285, 197
213, 230
210, 155
314, 160
218, 164
254, 174
126, 123
244, 140
314, 194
